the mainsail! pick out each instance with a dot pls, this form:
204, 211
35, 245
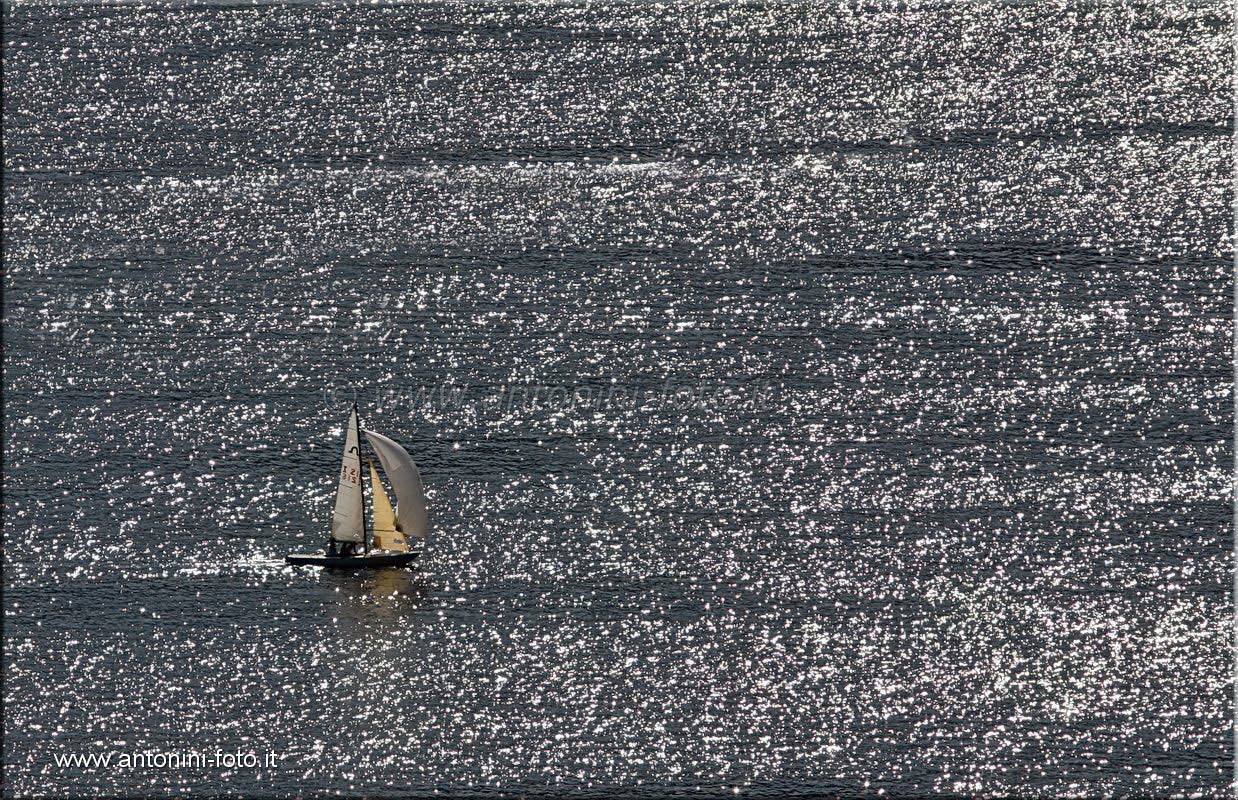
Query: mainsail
348, 522
386, 535
406, 481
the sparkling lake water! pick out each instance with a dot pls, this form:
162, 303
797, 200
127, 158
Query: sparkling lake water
918, 477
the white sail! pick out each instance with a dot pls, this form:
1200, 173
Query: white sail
348, 522
410, 511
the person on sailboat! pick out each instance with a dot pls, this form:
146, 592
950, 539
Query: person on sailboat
346, 549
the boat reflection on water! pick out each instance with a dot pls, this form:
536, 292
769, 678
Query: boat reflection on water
390, 592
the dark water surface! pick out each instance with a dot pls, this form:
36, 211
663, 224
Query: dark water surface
967, 528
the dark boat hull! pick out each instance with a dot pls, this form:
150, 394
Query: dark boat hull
351, 562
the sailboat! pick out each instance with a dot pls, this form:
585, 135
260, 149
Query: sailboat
386, 541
